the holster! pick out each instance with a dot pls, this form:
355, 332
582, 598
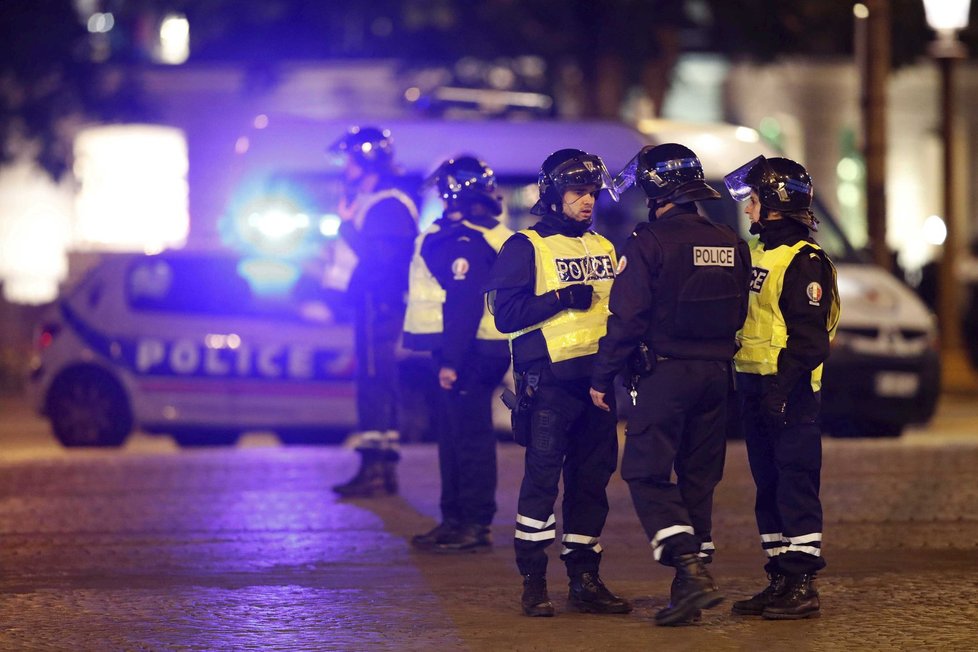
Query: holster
521, 405
640, 363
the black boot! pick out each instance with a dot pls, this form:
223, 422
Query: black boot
798, 600
471, 537
436, 535
755, 605
693, 589
589, 594
535, 600
673, 598
369, 479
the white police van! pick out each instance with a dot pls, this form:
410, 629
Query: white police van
191, 344
179, 343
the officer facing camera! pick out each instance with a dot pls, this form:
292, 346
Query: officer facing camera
676, 306
549, 290
447, 315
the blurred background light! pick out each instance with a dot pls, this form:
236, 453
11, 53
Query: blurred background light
329, 225
133, 192
947, 15
747, 135
269, 276
35, 228
174, 39
934, 230
100, 23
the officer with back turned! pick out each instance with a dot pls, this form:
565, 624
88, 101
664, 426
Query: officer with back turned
379, 224
792, 317
549, 290
676, 306
447, 315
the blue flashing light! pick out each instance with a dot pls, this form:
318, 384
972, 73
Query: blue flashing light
269, 276
329, 225
277, 224
272, 225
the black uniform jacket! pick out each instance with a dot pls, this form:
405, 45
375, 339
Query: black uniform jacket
644, 297
808, 337
516, 305
384, 245
460, 259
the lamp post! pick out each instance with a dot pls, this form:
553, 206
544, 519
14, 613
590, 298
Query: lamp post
947, 18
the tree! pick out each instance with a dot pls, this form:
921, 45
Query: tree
49, 83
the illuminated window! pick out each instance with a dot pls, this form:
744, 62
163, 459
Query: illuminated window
133, 188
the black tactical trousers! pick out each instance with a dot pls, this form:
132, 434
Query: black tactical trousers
467, 442
569, 436
378, 329
679, 423
786, 464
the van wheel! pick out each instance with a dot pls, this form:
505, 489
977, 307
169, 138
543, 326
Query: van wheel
88, 407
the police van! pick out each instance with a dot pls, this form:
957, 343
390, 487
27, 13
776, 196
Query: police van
200, 345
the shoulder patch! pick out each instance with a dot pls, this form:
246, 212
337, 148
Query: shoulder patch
622, 264
814, 292
460, 267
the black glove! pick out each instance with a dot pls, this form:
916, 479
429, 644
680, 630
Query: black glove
774, 407
576, 297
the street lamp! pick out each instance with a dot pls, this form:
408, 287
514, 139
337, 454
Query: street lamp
947, 18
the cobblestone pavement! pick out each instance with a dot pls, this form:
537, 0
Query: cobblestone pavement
153, 548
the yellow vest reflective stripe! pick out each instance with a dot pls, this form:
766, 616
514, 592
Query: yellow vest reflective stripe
338, 274
562, 261
765, 333
426, 297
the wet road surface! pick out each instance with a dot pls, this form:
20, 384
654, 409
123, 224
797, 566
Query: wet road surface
154, 548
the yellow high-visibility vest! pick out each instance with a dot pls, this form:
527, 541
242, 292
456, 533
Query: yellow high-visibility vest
562, 261
426, 297
765, 333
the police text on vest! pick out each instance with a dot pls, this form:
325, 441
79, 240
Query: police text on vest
757, 274
713, 256
587, 268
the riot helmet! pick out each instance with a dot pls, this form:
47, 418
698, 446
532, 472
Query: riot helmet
781, 185
465, 180
567, 168
369, 147
668, 173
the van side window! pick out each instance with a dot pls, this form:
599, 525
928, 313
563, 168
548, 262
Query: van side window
188, 285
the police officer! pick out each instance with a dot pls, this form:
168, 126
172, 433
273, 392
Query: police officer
677, 304
379, 224
792, 316
447, 314
549, 289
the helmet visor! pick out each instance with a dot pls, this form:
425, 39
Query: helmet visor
628, 176
587, 170
631, 174
450, 179
365, 146
736, 181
